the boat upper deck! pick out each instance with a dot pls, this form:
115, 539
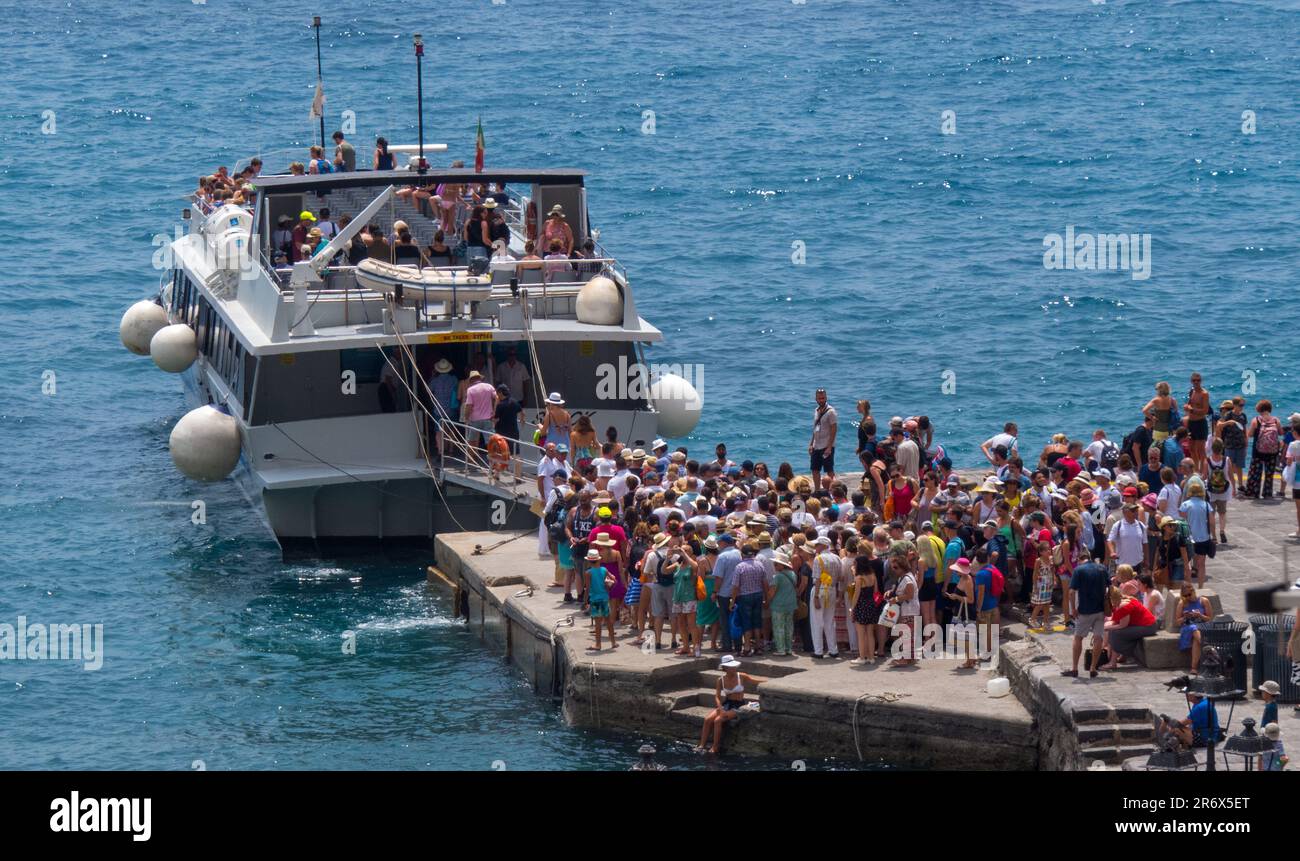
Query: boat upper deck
254, 284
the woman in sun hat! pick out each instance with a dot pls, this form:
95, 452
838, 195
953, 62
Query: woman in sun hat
707, 615
612, 561
729, 695
556, 228
556, 424
961, 594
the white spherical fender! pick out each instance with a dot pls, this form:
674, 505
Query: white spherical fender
677, 403
600, 303
205, 444
139, 324
174, 348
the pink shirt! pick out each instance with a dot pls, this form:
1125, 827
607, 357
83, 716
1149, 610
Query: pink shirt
482, 399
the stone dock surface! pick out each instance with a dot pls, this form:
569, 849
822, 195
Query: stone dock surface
1111, 718
931, 715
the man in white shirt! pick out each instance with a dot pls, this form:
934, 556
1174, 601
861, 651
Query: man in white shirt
552, 461
1093, 454
801, 518
1168, 500
1127, 541
662, 512
605, 465
328, 229
1007, 439
706, 523
617, 484
514, 374
821, 448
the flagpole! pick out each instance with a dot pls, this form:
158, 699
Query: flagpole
315, 22
419, 97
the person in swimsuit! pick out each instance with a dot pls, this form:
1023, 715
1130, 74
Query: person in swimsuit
556, 228
1054, 451
556, 424
729, 694
582, 442
1197, 410
1161, 410
448, 197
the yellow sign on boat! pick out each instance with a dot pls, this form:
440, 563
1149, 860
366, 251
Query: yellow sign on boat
459, 337
587, 348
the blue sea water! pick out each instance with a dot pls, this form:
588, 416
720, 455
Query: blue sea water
775, 124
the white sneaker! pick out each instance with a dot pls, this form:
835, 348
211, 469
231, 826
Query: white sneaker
857, 662
1295, 534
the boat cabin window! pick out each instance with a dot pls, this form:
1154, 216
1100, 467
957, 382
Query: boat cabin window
302, 386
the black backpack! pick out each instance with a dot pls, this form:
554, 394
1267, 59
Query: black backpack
1126, 447
1110, 456
555, 519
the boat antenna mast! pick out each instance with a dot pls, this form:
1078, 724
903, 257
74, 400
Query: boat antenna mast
421, 164
320, 80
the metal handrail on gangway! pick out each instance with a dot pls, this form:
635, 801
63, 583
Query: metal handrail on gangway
473, 466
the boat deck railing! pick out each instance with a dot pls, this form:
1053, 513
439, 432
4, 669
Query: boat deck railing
470, 465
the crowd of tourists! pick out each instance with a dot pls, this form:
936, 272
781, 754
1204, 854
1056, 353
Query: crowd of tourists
674, 552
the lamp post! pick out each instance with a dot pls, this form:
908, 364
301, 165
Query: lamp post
315, 22
421, 165
1247, 744
647, 761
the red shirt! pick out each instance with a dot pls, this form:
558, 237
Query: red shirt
1135, 611
1071, 467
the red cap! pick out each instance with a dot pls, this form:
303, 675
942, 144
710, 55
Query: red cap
1130, 491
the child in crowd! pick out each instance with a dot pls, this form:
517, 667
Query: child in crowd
1044, 583
598, 592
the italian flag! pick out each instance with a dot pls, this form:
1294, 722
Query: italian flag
479, 147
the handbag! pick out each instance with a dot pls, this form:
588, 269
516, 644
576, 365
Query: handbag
733, 625
890, 617
801, 607
963, 629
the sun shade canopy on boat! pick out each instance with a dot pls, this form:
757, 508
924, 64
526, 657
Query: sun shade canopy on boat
288, 183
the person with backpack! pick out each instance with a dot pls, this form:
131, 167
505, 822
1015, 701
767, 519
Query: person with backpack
1266, 432
577, 521
1139, 440
659, 578
1200, 523
1101, 452
1220, 485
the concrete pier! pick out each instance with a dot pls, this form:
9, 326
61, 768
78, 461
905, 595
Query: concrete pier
931, 715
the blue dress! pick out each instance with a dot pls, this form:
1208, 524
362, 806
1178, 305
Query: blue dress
1188, 628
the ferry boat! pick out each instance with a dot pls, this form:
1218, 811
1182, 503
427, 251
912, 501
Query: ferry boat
284, 363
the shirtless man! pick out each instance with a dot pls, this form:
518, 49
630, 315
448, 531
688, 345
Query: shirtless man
1197, 409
